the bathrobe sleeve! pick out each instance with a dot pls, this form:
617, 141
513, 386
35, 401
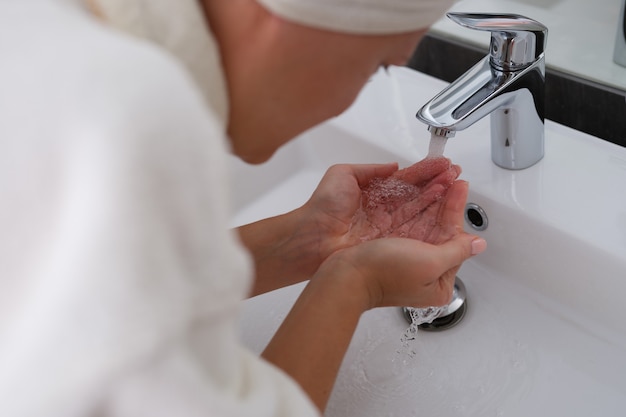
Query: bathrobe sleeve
120, 282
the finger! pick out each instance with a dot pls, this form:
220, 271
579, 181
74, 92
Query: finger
446, 286
423, 171
425, 229
458, 169
458, 249
451, 214
450, 217
445, 178
407, 212
435, 192
364, 173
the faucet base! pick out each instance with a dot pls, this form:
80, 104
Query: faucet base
517, 135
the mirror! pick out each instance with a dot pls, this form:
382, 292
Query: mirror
581, 38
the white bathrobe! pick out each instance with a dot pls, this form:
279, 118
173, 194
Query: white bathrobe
119, 283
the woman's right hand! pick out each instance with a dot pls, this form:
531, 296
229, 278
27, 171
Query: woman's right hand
410, 272
404, 272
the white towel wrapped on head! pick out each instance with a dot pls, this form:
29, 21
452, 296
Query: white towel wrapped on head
179, 26
361, 16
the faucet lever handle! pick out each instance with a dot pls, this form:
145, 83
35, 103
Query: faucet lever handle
516, 41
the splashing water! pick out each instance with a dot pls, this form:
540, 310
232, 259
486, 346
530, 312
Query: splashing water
425, 315
418, 316
382, 191
437, 145
428, 314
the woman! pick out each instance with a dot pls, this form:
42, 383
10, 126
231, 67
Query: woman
120, 284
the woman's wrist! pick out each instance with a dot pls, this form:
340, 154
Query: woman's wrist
344, 269
319, 329
286, 249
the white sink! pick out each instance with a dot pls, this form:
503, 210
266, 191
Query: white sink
545, 331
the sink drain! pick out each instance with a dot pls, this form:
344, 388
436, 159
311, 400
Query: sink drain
450, 316
476, 217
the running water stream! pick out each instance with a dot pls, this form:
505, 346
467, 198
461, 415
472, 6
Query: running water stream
437, 146
427, 314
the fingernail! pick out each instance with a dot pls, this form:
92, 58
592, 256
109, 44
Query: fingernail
478, 245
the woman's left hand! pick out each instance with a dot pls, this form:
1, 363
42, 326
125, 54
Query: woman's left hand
347, 207
290, 248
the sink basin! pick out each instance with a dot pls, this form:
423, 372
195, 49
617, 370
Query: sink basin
545, 330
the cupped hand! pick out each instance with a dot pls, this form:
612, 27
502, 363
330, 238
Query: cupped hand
404, 272
409, 203
401, 230
349, 205
417, 272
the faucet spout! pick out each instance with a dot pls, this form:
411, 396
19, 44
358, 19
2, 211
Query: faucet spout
510, 90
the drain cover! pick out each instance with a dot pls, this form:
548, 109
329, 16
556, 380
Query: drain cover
451, 316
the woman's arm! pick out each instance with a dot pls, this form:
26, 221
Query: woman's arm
313, 339
289, 248
284, 248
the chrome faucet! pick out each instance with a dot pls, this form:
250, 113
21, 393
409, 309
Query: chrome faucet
508, 84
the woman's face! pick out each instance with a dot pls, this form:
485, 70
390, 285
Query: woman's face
303, 77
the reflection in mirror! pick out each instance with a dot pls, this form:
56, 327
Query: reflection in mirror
581, 39
585, 87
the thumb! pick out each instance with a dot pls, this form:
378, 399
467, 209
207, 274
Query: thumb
460, 248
